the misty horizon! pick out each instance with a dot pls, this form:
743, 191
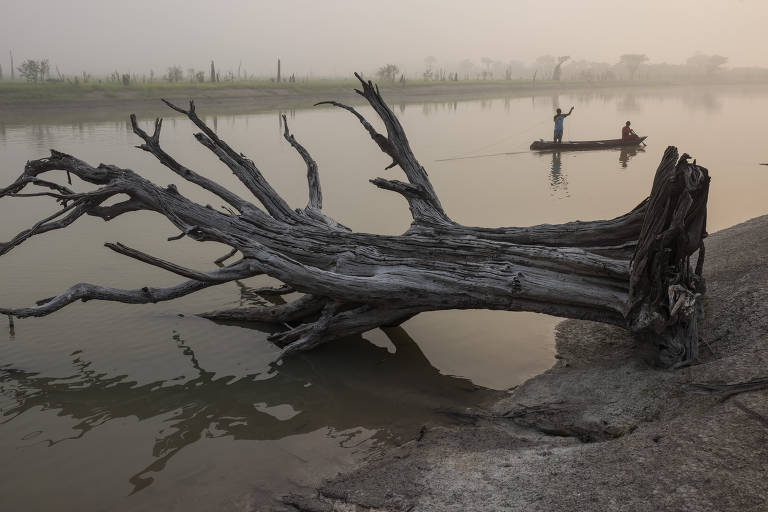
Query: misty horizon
334, 39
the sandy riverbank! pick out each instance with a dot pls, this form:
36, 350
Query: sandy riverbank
603, 430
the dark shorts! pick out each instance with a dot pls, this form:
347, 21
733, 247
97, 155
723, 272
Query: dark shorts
558, 134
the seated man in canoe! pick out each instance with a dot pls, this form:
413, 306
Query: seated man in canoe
628, 133
559, 117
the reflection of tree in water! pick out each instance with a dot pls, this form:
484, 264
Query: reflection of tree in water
702, 100
344, 385
626, 154
628, 103
558, 181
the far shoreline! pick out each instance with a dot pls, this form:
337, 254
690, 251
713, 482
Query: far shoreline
20, 102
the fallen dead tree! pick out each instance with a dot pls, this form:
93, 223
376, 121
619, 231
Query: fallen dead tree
632, 271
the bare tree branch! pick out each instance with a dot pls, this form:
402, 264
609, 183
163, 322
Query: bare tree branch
313, 179
244, 268
242, 167
145, 295
152, 145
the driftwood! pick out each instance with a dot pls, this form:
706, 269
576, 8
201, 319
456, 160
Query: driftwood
632, 271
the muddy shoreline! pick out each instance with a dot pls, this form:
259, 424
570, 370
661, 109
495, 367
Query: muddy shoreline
604, 429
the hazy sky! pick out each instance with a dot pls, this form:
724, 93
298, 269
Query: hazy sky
335, 37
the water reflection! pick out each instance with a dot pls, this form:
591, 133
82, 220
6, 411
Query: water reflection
626, 154
702, 100
628, 103
558, 181
346, 385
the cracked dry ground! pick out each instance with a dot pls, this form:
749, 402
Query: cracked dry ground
603, 429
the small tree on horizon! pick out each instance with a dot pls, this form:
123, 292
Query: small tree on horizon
710, 64
388, 72
632, 61
175, 74
30, 69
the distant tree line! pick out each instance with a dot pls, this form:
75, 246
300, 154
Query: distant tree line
630, 66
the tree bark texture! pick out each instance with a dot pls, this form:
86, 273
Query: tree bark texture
633, 271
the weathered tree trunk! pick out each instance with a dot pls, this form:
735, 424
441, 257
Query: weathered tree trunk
632, 271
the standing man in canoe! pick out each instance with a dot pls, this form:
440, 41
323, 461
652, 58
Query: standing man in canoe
559, 117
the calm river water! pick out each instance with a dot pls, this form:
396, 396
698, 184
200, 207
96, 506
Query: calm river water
119, 407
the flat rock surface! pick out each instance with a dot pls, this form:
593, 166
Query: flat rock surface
604, 429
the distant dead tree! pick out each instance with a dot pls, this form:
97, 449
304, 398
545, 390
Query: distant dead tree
556, 73
487, 61
1, 71
632, 61
278, 70
213, 72
45, 69
429, 61
13, 76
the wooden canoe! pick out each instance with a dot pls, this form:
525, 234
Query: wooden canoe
571, 145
